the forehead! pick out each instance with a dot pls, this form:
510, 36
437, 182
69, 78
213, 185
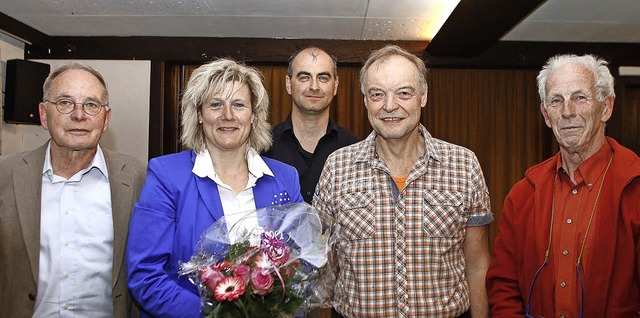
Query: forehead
312, 60
232, 89
391, 72
77, 81
569, 78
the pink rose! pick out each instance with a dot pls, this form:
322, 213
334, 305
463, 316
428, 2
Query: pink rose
210, 278
243, 271
262, 281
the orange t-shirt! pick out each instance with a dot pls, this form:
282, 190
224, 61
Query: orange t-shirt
400, 182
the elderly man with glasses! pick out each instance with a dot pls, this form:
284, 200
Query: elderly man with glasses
569, 236
65, 208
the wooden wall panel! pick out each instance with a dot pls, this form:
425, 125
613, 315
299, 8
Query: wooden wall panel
624, 124
280, 101
348, 106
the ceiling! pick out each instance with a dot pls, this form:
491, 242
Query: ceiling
554, 20
327, 19
613, 21
490, 31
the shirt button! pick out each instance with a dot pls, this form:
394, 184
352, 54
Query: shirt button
562, 316
66, 212
565, 252
569, 221
563, 284
574, 191
65, 306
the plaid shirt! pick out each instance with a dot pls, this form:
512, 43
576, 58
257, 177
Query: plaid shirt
400, 254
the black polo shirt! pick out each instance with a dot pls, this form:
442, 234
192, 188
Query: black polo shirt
287, 149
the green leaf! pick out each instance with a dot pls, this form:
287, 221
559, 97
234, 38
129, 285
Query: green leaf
237, 250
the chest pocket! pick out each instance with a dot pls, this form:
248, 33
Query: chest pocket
356, 217
443, 213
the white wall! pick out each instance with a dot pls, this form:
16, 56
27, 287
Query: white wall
129, 89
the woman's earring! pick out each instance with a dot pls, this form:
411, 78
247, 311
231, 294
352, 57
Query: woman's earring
199, 121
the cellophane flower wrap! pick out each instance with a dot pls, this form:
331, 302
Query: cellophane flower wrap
275, 269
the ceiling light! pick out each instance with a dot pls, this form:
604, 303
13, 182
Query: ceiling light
436, 18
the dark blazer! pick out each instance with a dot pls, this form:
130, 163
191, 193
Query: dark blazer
175, 207
20, 195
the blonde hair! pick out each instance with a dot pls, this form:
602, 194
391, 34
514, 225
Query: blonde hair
209, 79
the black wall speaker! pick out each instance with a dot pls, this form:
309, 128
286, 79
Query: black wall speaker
23, 91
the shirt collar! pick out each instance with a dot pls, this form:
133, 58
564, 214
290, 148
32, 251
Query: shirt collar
286, 125
97, 162
591, 169
203, 167
368, 151
332, 126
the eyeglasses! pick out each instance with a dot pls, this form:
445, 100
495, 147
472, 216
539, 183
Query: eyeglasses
66, 106
527, 312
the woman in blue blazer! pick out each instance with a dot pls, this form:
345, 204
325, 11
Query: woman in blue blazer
225, 127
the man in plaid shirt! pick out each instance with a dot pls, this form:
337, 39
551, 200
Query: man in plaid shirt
409, 212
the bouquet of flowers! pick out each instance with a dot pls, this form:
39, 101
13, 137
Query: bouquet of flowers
268, 263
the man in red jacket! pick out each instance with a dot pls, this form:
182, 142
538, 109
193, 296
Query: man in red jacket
569, 236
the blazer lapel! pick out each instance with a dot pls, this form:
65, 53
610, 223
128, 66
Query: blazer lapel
210, 196
122, 200
27, 184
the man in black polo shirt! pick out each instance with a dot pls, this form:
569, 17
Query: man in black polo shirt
307, 137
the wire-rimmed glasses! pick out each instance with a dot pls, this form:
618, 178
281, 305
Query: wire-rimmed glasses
66, 106
527, 312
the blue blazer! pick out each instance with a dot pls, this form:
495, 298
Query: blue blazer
174, 208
